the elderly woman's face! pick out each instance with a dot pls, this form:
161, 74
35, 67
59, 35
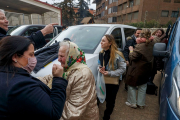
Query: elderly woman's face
158, 33
62, 55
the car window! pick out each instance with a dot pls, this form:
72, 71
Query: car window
86, 37
30, 30
12, 29
18, 30
128, 32
117, 36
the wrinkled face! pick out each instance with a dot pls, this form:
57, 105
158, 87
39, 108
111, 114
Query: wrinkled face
22, 61
138, 32
3, 21
62, 55
105, 44
158, 33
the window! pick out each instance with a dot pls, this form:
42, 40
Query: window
110, 1
102, 13
135, 15
129, 16
106, 8
103, 5
119, 18
114, 9
110, 20
128, 32
131, 3
120, 8
117, 36
137, 2
82, 36
124, 17
30, 30
167, 0
109, 10
164, 13
176, 1
175, 14
124, 6
114, 19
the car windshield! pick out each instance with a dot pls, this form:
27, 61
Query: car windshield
17, 30
86, 37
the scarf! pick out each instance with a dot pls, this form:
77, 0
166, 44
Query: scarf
75, 59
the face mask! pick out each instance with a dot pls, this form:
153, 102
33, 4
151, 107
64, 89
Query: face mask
31, 64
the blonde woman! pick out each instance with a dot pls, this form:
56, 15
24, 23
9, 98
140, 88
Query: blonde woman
138, 73
114, 66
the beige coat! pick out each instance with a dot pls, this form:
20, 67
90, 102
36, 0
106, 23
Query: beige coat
81, 102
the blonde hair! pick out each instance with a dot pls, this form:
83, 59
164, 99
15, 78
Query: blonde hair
113, 50
146, 33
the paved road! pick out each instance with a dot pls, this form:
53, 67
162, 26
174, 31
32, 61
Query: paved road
123, 112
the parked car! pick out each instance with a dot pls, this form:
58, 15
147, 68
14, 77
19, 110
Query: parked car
88, 38
169, 89
11, 28
27, 30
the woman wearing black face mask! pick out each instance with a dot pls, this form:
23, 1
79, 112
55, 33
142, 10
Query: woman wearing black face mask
23, 97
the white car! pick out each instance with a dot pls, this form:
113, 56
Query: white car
88, 38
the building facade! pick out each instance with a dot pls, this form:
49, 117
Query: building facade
132, 11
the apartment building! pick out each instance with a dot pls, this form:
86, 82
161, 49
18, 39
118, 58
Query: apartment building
132, 11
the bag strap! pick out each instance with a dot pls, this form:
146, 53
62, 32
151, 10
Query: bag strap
103, 58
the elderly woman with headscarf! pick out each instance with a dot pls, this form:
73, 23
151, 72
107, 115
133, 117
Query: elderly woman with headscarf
81, 103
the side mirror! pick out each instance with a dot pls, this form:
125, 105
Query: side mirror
159, 50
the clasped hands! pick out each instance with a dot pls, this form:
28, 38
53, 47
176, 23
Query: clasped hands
102, 70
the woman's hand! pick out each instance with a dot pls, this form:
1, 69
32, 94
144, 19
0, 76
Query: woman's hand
57, 70
105, 73
131, 48
101, 69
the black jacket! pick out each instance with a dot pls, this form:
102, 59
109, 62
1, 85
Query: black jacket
23, 97
130, 42
36, 37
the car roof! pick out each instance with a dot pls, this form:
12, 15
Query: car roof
39, 25
106, 25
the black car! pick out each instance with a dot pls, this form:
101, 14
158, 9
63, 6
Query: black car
27, 30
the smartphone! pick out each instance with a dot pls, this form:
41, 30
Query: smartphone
100, 66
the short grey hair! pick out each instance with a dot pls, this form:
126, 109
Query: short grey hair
64, 43
1, 10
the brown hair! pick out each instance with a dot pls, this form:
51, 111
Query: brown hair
157, 30
146, 33
113, 50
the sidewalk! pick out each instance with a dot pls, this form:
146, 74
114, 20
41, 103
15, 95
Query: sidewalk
123, 112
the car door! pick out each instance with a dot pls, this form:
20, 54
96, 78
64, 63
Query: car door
128, 32
170, 63
116, 32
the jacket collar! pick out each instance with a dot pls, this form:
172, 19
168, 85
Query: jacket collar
12, 69
2, 31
